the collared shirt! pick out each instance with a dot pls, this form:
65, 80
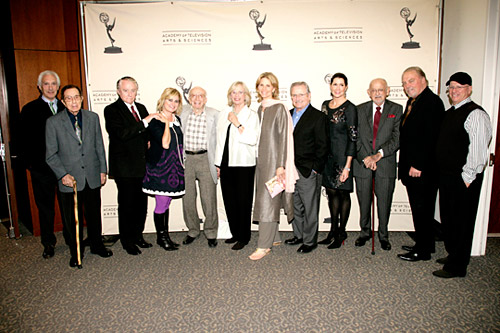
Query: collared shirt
78, 118
54, 102
374, 110
129, 106
297, 114
478, 126
195, 137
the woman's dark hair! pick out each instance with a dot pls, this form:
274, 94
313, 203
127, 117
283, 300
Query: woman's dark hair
340, 75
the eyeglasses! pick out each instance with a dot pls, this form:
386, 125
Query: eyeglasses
76, 98
380, 91
298, 95
456, 87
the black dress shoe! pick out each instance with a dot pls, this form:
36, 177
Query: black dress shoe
413, 248
238, 246
385, 245
447, 275
414, 256
48, 251
73, 262
306, 248
188, 240
231, 240
443, 261
335, 244
326, 241
132, 250
143, 244
103, 252
294, 241
408, 248
361, 241
212, 242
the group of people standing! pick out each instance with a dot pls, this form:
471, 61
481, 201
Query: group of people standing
283, 156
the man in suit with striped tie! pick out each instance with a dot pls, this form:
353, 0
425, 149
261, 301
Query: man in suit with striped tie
378, 142
33, 118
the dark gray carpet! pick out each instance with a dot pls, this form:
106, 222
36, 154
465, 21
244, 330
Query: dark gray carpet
198, 289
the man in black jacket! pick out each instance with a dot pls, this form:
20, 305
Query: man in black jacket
33, 118
419, 131
311, 148
126, 123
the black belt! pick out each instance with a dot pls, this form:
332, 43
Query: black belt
199, 152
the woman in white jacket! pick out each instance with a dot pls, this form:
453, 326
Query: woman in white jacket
238, 131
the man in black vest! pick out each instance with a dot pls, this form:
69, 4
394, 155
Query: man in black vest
462, 155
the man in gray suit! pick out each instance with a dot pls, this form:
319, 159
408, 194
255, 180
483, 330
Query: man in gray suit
199, 125
75, 153
378, 128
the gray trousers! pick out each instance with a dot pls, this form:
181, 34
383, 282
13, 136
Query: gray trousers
197, 169
384, 189
269, 232
306, 208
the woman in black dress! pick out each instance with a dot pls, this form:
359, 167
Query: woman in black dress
337, 177
165, 163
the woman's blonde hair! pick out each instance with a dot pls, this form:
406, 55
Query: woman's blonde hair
167, 93
248, 97
274, 81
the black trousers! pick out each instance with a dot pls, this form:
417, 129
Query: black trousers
422, 193
132, 209
458, 207
237, 192
45, 191
89, 205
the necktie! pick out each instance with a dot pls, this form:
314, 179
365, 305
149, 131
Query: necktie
51, 104
376, 121
408, 110
136, 116
78, 131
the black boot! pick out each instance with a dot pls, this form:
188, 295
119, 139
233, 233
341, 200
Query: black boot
167, 236
340, 236
332, 234
161, 232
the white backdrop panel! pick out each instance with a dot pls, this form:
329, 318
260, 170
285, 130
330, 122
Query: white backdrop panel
211, 45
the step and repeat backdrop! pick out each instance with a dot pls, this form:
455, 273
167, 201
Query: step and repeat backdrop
183, 44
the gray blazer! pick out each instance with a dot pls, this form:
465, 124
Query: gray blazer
65, 155
387, 139
212, 117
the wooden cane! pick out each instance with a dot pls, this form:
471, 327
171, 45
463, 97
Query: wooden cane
78, 254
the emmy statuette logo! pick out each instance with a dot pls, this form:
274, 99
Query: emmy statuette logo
328, 78
104, 18
181, 81
405, 14
254, 15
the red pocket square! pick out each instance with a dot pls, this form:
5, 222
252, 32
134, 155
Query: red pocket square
391, 116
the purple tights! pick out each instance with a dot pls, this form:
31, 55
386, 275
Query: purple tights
162, 203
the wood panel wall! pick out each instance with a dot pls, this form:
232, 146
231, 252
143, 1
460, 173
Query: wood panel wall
45, 36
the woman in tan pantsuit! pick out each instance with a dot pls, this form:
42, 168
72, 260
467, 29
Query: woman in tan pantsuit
274, 148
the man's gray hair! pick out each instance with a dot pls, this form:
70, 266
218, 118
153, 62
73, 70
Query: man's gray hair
48, 72
300, 83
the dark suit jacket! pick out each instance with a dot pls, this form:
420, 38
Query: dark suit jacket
418, 135
33, 118
127, 140
65, 155
387, 139
310, 141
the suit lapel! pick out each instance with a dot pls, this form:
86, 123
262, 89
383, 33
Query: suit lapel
85, 125
303, 120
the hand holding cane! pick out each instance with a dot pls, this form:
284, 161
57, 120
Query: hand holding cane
78, 254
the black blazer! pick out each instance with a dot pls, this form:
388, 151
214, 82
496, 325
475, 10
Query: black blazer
33, 118
310, 141
128, 140
418, 135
